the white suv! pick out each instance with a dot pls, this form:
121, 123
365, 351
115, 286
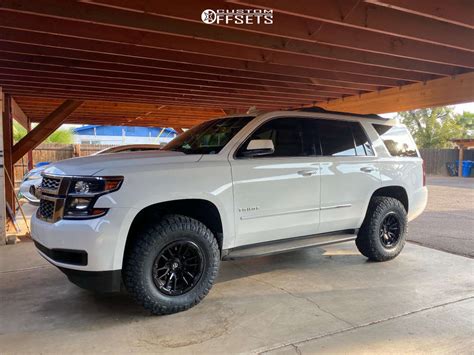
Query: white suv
160, 222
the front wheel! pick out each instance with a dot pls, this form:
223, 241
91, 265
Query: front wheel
383, 233
172, 265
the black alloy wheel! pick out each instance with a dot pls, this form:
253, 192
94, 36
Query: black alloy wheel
178, 267
390, 231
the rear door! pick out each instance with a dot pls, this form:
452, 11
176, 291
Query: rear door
277, 196
349, 174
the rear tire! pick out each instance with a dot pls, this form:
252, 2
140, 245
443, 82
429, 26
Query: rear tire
383, 233
176, 245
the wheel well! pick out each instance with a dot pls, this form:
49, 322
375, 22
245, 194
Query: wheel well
397, 192
202, 210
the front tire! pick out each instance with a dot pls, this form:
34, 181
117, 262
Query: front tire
383, 233
171, 266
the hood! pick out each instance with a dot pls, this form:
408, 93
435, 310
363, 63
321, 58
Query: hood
93, 164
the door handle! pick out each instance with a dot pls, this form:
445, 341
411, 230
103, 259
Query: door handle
307, 172
366, 169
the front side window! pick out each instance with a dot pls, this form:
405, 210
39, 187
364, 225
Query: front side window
289, 136
208, 137
397, 139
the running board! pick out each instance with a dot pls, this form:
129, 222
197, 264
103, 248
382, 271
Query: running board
285, 245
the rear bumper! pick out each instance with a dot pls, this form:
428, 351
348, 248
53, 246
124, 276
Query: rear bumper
417, 203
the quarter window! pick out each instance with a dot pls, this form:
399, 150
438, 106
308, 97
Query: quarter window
397, 139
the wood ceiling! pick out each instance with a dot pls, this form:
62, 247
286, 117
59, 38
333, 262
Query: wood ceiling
141, 62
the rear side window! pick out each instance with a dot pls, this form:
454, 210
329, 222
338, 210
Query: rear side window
397, 139
342, 138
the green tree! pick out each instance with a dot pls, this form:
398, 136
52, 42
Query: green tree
466, 120
62, 135
433, 127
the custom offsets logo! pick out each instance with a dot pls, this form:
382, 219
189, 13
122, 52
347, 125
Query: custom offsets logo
238, 16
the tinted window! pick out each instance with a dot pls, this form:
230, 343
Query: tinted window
208, 137
397, 139
288, 135
362, 144
336, 138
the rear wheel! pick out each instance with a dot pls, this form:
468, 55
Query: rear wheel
172, 265
383, 233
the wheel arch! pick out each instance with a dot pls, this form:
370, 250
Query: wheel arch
394, 191
202, 210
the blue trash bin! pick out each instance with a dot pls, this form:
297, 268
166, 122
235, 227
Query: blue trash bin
466, 168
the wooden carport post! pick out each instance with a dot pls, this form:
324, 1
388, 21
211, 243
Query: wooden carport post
461, 158
3, 209
7, 126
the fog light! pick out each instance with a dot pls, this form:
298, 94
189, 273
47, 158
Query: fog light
79, 204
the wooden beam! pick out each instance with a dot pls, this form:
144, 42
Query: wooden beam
19, 115
132, 76
44, 129
230, 58
163, 88
312, 31
169, 63
452, 11
369, 17
439, 92
163, 33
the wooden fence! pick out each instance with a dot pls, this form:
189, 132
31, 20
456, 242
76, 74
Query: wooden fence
435, 159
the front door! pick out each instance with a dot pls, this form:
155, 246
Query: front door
277, 196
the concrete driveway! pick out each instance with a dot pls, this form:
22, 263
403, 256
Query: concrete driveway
448, 221
328, 299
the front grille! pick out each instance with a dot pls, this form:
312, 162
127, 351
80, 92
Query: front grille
46, 209
50, 183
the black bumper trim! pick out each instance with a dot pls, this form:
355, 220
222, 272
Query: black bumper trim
100, 281
65, 256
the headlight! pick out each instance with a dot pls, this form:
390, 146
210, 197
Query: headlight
84, 192
98, 185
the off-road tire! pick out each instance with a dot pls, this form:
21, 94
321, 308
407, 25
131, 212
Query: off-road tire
368, 239
141, 255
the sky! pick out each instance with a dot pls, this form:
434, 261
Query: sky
469, 106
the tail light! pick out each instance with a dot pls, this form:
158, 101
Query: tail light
424, 173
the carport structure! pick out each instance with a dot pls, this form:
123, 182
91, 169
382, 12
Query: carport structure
155, 63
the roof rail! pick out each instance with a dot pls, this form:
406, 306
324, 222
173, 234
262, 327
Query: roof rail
322, 110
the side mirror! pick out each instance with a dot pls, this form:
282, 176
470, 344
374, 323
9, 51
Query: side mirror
259, 147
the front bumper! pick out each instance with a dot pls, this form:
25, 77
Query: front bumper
101, 241
100, 281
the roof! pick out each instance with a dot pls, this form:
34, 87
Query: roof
322, 110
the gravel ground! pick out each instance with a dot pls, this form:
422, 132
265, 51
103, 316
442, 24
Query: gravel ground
448, 221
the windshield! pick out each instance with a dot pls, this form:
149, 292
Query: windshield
209, 137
